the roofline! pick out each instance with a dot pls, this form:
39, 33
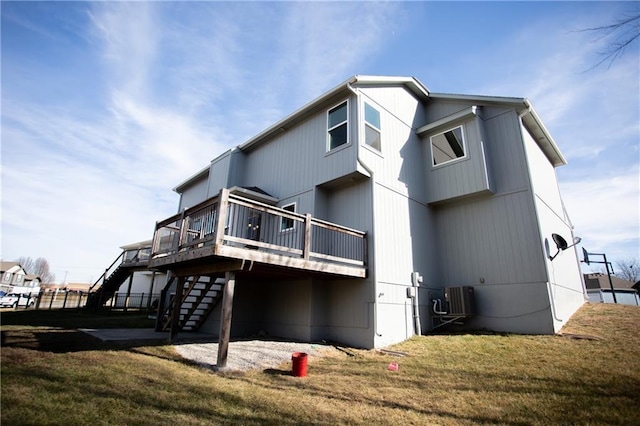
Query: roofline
190, 180
137, 245
413, 84
525, 111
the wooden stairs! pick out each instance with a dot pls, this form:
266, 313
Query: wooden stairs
111, 284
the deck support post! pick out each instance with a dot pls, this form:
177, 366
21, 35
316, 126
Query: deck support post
126, 300
225, 318
163, 300
177, 304
153, 280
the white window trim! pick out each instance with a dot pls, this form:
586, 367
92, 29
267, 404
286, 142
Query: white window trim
328, 142
366, 123
295, 209
464, 146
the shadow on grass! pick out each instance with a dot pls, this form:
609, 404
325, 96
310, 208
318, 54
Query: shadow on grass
277, 372
57, 331
57, 340
73, 319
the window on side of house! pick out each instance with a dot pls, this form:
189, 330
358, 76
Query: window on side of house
286, 223
337, 126
372, 127
447, 146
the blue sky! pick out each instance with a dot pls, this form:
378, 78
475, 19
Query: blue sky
106, 106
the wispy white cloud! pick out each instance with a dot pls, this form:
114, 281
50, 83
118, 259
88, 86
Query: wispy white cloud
130, 36
605, 212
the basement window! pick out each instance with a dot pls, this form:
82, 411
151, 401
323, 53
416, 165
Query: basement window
447, 146
337, 126
372, 126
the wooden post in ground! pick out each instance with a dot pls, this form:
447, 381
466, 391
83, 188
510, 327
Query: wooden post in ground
177, 304
153, 279
126, 299
225, 318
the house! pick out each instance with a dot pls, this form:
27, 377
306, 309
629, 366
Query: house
599, 289
16, 280
128, 280
375, 212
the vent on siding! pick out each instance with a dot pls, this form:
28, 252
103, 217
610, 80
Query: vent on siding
459, 300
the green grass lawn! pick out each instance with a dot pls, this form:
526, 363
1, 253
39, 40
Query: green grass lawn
589, 376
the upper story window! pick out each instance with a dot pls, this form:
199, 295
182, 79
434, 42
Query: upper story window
285, 222
337, 126
372, 126
447, 146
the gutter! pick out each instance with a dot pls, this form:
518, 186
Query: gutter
529, 111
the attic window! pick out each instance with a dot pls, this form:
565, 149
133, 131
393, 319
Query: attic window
337, 126
372, 126
447, 146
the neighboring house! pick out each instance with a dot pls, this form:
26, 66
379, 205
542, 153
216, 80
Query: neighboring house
32, 281
128, 275
14, 279
599, 289
317, 228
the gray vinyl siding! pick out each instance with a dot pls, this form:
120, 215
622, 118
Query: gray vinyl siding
464, 177
493, 239
219, 173
194, 194
437, 109
404, 233
566, 292
505, 150
493, 245
297, 161
399, 166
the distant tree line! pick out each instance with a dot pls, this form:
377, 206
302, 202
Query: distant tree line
39, 266
628, 269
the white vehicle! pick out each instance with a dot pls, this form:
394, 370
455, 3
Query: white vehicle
14, 300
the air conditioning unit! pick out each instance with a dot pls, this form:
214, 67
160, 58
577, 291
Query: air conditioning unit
459, 300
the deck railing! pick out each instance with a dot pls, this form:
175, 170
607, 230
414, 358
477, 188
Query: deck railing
251, 225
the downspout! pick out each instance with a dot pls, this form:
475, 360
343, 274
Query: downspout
370, 250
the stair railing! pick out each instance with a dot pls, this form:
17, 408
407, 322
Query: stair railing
108, 271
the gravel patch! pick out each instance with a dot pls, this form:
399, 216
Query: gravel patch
250, 354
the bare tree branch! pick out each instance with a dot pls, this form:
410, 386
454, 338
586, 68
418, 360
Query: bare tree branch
39, 266
623, 32
628, 269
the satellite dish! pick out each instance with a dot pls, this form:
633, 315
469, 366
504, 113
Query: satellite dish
561, 243
586, 255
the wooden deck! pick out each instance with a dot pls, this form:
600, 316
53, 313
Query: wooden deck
229, 232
